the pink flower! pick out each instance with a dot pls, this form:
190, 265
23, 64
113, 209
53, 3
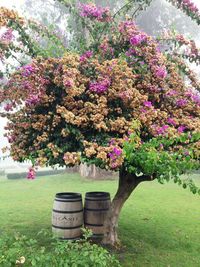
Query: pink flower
130, 52
143, 110
106, 48
161, 72
189, 5
31, 173
171, 121
115, 153
137, 39
27, 85
147, 104
7, 36
194, 95
181, 129
196, 98
68, 83
162, 130
86, 55
125, 95
95, 12
27, 70
8, 107
171, 93
181, 102
32, 100
112, 141
101, 86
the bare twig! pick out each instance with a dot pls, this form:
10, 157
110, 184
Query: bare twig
123, 7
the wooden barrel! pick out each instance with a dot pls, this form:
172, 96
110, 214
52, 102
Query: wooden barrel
97, 205
67, 216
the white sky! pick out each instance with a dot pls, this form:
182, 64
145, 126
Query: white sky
11, 3
16, 4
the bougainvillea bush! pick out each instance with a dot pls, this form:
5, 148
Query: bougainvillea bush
124, 105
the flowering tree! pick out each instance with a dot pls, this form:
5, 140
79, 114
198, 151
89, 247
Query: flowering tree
123, 105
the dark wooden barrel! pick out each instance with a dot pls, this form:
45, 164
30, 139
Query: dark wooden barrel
67, 216
97, 205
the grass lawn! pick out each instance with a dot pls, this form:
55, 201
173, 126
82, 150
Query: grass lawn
159, 225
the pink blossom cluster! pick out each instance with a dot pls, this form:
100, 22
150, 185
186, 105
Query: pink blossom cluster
131, 52
190, 48
125, 25
27, 70
27, 85
31, 173
190, 5
162, 130
171, 121
8, 107
138, 39
95, 12
32, 100
105, 48
86, 55
101, 86
154, 88
125, 95
181, 102
171, 93
68, 82
140, 43
114, 156
194, 96
147, 104
115, 153
181, 39
161, 72
181, 129
7, 36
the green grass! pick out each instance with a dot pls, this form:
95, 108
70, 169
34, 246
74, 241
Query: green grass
159, 225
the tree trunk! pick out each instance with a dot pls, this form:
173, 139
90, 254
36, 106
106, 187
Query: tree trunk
127, 183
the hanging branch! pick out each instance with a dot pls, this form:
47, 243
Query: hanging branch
128, 5
189, 8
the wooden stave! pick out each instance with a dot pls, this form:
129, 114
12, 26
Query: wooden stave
67, 217
95, 212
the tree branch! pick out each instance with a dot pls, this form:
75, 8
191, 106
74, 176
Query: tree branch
144, 178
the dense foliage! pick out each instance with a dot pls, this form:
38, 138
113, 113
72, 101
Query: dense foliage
20, 250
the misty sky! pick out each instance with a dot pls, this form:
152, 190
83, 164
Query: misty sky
18, 3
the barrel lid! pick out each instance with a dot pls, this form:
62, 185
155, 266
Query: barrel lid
68, 195
98, 194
